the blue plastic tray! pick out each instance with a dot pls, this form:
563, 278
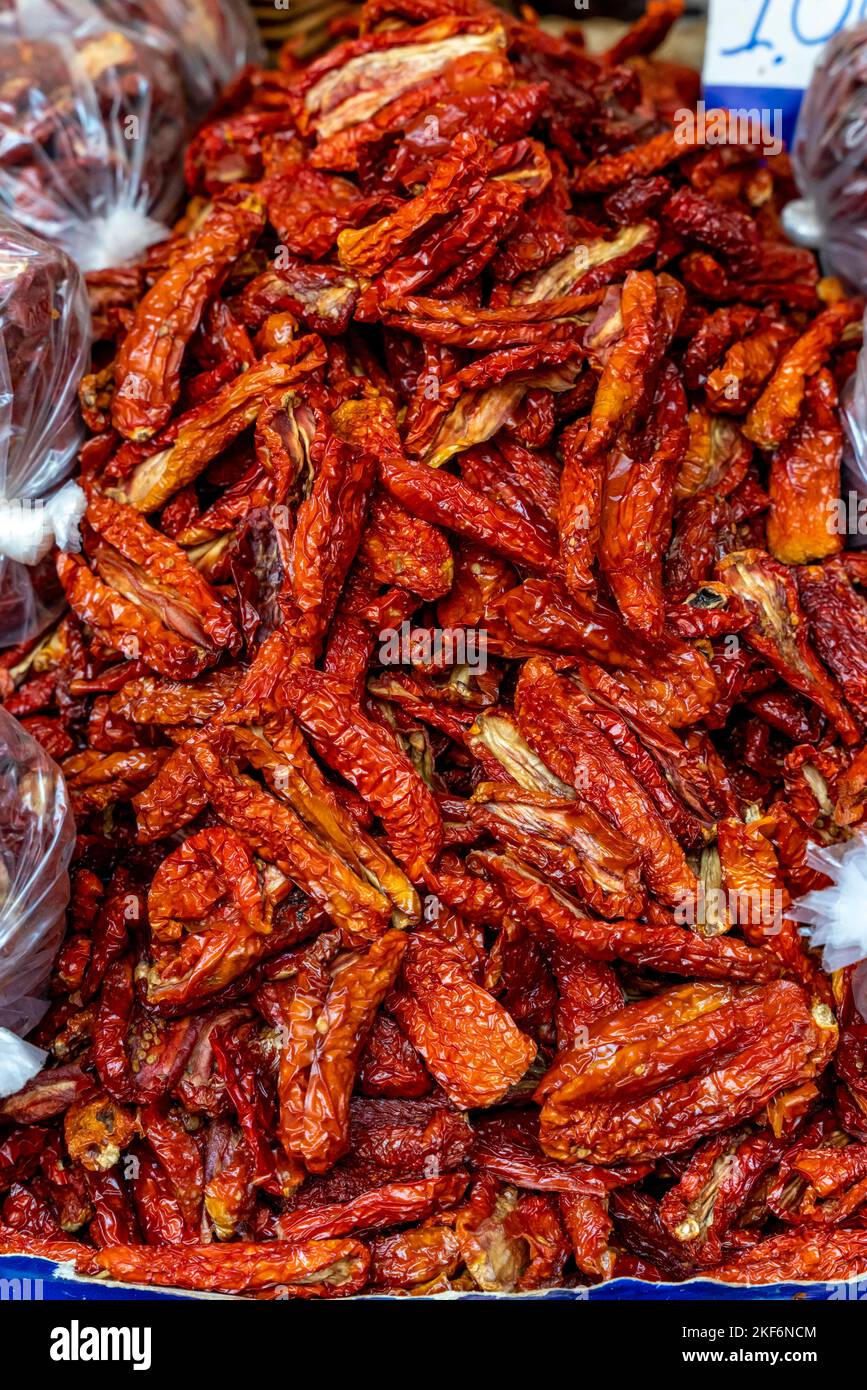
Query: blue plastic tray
48, 1280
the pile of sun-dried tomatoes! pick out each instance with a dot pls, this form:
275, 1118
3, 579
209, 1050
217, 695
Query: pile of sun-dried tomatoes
462, 654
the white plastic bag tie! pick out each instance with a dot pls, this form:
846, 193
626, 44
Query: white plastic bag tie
802, 223
29, 527
20, 1061
836, 917
122, 236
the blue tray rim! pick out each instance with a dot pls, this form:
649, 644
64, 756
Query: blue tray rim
58, 1281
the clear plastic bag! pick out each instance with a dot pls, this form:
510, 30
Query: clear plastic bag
37, 835
44, 352
829, 156
833, 917
216, 40
853, 403
92, 126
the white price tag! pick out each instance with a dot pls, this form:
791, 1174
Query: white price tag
761, 53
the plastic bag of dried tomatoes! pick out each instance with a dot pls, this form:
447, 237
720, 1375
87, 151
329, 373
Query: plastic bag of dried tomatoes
44, 350
92, 126
37, 834
854, 407
216, 40
829, 156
